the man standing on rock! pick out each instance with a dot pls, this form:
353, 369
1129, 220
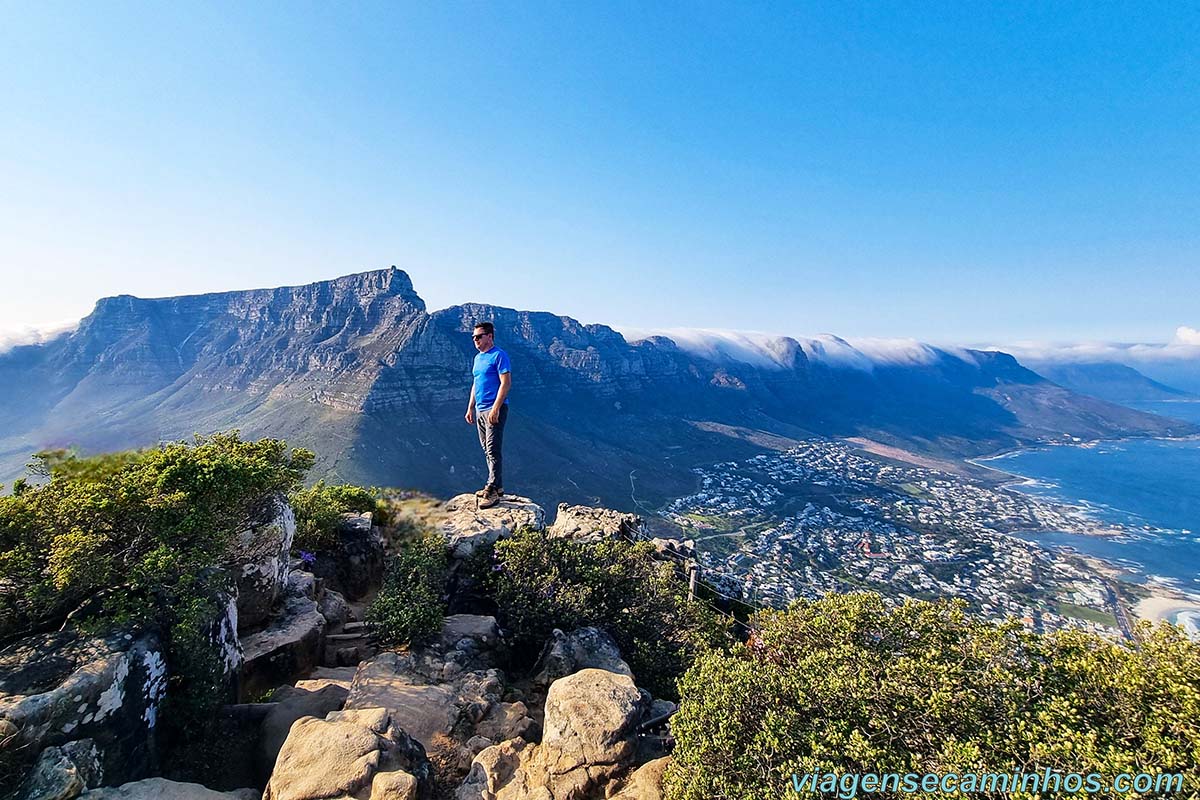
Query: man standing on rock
489, 401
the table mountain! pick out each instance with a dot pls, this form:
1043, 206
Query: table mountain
359, 370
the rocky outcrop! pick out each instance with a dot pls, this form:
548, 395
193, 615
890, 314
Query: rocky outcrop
64, 772
355, 565
644, 783
588, 739
587, 524
258, 557
354, 753
289, 647
467, 527
566, 653
288, 705
162, 789
63, 687
448, 694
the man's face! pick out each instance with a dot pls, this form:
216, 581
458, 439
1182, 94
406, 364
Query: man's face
483, 341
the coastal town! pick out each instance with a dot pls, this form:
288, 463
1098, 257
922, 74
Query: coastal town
826, 516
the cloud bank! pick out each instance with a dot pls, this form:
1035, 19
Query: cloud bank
34, 334
774, 351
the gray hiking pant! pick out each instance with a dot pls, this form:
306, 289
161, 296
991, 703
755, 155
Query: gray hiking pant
491, 437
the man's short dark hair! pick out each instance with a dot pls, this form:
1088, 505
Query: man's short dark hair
488, 328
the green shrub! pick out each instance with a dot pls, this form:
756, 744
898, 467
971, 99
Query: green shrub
319, 510
540, 583
128, 530
846, 684
130, 540
410, 604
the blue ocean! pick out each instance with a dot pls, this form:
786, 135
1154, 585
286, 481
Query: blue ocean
1151, 486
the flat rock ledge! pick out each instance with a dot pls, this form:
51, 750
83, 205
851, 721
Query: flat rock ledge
466, 527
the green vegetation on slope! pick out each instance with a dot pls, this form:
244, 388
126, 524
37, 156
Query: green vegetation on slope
130, 532
540, 583
846, 684
319, 510
410, 604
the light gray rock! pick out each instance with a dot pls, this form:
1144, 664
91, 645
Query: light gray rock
64, 772
163, 789
584, 648
288, 648
61, 687
333, 608
591, 717
587, 524
258, 557
350, 753
466, 527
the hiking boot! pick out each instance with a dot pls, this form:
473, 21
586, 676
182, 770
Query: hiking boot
483, 492
491, 498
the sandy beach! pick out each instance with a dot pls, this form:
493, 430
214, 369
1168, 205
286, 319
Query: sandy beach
1163, 607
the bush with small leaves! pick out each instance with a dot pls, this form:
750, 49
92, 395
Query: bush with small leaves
319, 510
847, 684
410, 604
540, 583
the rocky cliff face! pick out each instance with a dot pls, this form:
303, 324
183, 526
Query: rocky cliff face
358, 370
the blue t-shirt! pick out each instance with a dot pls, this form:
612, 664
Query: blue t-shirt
488, 368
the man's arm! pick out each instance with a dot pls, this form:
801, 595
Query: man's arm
505, 384
470, 415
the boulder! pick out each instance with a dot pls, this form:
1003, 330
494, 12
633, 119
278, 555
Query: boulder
163, 789
61, 687
64, 772
258, 558
288, 648
588, 739
351, 753
290, 704
591, 718
467, 527
644, 783
587, 524
334, 609
422, 710
355, 565
584, 648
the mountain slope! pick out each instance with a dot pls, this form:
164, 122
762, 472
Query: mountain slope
358, 370
1116, 383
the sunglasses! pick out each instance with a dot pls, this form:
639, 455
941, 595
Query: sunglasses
479, 336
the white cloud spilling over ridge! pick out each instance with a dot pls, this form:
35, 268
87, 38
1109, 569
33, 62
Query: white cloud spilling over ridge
773, 351
1185, 347
34, 334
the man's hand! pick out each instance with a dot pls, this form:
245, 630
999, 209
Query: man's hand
470, 415
494, 414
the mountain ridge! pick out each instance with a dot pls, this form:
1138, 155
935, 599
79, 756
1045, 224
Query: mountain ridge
357, 368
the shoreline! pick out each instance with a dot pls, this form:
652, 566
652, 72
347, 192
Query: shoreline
1164, 607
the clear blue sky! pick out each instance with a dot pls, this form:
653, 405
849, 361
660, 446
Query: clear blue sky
953, 172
